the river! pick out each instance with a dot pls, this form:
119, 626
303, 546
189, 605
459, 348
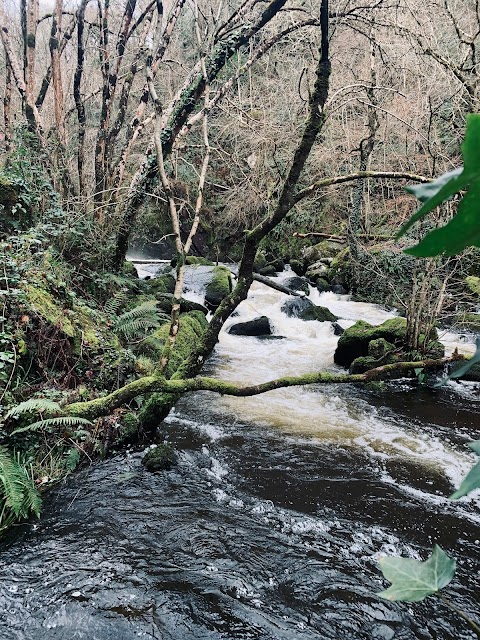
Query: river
272, 523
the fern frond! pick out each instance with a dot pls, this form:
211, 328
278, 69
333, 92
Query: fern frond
144, 316
33, 404
11, 482
18, 495
60, 421
72, 458
116, 302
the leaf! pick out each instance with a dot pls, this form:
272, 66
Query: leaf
34, 404
61, 421
472, 479
413, 580
463, 229
465, 368
434, 193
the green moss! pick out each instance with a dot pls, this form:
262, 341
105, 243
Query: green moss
128, 431
353, 343
363, 363
379, 348
161, 458
192, 326
156, 409
129, 269
473, 284
163, 284
219, 286
322, 314
44, 305
339, 270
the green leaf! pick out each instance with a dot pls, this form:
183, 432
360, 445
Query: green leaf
472, 479
413, 580
34, 404
464, 229
465, 368
475, 446
434, 193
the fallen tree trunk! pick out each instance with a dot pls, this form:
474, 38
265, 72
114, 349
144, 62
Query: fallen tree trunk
276, 286
329, 236
176, 387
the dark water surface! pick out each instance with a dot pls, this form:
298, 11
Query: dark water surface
272, 523
255, 534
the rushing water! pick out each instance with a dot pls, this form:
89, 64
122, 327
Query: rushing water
273, 521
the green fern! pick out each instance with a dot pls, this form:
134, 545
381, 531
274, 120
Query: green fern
72, 458
60, 421
42, 405
116, 302
17, 490
134, 322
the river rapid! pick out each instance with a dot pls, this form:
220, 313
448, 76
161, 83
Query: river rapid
272, 523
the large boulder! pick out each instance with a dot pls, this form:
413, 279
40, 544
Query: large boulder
219, 287
256, 327
297, 284
159, 458
165, 301
353, 343
304, 309
295, 306
317, 270
162, 285
324, 249
298, 267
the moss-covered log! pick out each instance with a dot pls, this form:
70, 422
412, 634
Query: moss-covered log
149, 384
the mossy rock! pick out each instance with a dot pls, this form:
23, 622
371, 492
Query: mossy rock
298, 267
473, 374
353, 343
219, 287
322, 314
260, 261
128, 430
363, 363
161, 458
163, 284
379, 348
339, 270
165, 301
278, 264
268, 271
193, 260
192, 326
129, 269
323, 285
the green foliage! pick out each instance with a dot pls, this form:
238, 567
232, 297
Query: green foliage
48, 423
413, 580
472, 480
18, 495
134, 322
42, 405
72, 458
464, 229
